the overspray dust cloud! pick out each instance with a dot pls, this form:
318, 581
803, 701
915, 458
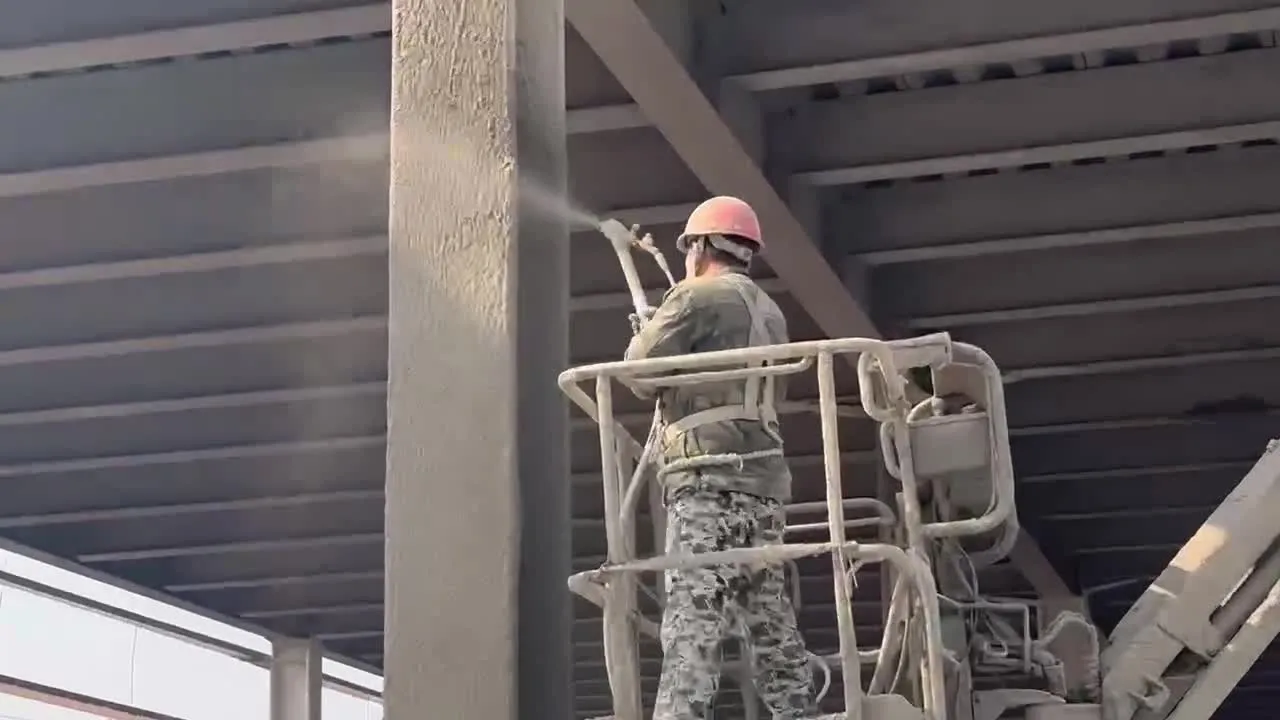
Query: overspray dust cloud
340, 374
548, 201
337, 204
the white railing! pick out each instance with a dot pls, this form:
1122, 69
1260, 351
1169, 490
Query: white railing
883, 394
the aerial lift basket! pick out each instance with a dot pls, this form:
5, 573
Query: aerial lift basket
881, 367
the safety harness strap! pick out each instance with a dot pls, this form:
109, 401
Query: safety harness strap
758, 393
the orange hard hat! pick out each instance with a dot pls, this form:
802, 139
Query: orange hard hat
722, 215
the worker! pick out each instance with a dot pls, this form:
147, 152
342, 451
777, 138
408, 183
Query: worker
724, 476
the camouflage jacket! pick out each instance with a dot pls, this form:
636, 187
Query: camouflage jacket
701, 315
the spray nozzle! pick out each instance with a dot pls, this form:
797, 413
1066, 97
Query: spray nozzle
620, 235
623, 238
646, 243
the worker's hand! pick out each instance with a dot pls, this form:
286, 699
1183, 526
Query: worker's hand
639, 319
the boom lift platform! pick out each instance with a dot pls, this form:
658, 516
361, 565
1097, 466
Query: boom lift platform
947, 652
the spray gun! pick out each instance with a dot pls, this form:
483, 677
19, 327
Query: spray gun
646, 243
623, 239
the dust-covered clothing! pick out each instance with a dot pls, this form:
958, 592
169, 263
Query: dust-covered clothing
707, 605
704, 314
723, 506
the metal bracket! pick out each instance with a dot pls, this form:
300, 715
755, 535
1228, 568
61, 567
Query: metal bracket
1198, 636
991, 704
1158, 696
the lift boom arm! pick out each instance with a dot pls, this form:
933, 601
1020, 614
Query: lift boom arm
1205, 620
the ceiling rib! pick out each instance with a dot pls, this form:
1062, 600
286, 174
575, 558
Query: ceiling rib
1131, 365
116, 411
232, 548
216, 338
1088, 238
1095, 307
199, 164
605, 118
143, 512
294, 28
194, 263
1046, 154
1013, 50
297, 447
274, 581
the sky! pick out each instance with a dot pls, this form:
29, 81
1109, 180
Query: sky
51, 642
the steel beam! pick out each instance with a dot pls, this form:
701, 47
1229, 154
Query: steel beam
270, 581
296, 447
1056, 241
1131, 513
1133, 365
186, 341
295, 28
606, 118
1098, 307
1186, 94
1139, 199
1043, 154
233, 548
198, 164
1009, 51
131, 514
263, 398
1167, 549
636, 54
303, 251
885, 38
1122, 473
309, 610
478, 330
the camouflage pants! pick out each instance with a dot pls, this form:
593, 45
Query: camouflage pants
707, 605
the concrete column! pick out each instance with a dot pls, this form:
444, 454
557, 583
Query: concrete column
296, 676
478, 617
